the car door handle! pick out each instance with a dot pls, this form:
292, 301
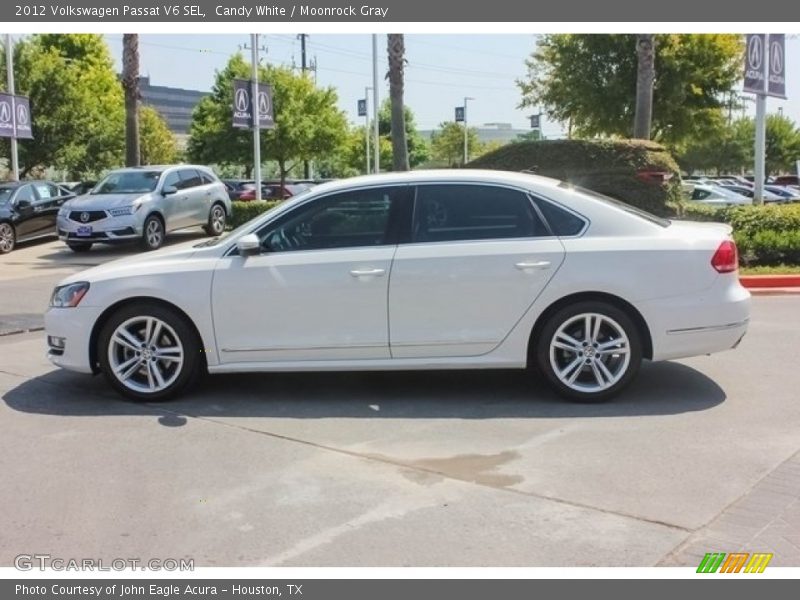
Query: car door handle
540, 264
367, 272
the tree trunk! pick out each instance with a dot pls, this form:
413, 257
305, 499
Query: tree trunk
396, 49
645, 76
130, 83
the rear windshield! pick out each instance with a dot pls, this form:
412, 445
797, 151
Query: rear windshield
618, 204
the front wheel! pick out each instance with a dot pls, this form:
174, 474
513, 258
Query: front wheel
8, 238
216, 221
153, 234
589, 351
149, 352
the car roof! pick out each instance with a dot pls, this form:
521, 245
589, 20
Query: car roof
439, 176
158, 168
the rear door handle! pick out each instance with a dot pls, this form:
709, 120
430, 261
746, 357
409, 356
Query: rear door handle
367, 272
540, 264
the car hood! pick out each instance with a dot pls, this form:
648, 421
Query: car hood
102, 201
147, 263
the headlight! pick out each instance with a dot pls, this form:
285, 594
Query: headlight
70, 295
123, 211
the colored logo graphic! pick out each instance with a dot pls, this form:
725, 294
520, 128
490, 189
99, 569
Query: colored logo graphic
719, 562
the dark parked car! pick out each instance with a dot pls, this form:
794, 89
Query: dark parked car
237, 188
786, 180
28, 210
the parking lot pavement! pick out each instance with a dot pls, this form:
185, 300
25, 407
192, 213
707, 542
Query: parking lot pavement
28, 274
459, 468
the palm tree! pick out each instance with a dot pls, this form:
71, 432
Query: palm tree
397, 49
645, 76
130, 83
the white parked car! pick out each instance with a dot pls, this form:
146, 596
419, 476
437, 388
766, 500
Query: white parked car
422, 270
717, 195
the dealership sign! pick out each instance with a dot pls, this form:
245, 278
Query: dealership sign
15, 117
243, 105
765, 64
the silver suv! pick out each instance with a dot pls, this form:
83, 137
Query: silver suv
144, 203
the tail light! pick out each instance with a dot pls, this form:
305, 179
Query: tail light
726, 258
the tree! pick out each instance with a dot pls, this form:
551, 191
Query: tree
447, 144
130, 83
76, 104
782, 143
645, 76
590, 81
351, 159
308, 125
723, 149
158, 144
418, 151
396, 50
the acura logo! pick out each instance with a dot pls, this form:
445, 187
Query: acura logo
84, 217
22, 114
776, 58
263, 104
755, 52
5, 112
242, 100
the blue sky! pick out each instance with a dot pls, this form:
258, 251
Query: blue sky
441, 70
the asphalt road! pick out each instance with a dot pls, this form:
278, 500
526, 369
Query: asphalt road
391, 469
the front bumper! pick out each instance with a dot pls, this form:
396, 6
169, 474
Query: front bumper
74, 327
110, 229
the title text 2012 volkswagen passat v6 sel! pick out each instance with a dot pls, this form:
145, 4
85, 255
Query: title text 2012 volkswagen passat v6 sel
425, 270
144, 203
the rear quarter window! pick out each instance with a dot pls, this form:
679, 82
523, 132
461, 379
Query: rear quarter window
562, 222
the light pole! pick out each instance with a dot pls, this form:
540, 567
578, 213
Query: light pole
10, 88
376, 139
466, 131
366, 123
254, 111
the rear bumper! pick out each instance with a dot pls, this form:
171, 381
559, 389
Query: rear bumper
710, 321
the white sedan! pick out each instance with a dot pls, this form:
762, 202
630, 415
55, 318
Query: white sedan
422, 270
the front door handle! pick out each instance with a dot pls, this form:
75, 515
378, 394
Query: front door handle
368, 272
541, 264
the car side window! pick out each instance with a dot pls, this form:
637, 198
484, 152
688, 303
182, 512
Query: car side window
25, 193
699, 194
561, 221
458, 212
172, 179
189, 178
205, 178
345, 220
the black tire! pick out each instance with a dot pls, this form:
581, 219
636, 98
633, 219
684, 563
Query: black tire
79, 246
217, 220
587, 374
177, 332
153, 233
8, 237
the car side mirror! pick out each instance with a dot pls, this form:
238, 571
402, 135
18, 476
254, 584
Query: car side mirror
168, 190
249, 245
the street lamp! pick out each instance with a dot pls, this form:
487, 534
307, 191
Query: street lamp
466, 143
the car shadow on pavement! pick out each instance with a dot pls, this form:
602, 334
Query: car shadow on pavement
661, 389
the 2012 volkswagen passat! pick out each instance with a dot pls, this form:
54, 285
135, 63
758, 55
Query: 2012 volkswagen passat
144, 204
425, 270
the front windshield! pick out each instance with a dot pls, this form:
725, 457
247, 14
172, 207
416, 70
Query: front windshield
5, 194
128, 182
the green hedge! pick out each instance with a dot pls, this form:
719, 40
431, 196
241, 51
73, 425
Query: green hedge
607, 166
765, 235
244, 211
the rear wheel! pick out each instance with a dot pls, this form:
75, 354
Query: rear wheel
589, 351
8, 238
149, 352
79, 246
153, 233
216, 220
